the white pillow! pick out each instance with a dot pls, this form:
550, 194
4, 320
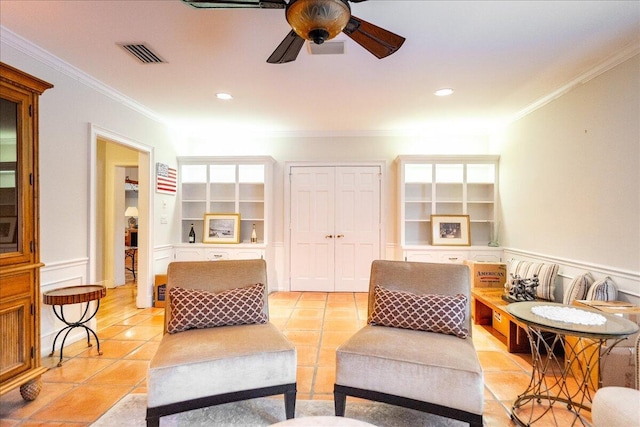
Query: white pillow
603, 290
578, 288
546, 276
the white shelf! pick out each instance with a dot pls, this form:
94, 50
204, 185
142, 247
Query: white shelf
446, 185
224, 185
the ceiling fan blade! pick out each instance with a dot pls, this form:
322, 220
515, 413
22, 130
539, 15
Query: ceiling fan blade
231, 4
287, 50
378, 41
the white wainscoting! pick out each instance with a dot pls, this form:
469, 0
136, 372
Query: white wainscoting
74, 273
627, 282
54, 276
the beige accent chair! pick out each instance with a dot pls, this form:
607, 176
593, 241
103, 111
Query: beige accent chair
426, 371
204, 367
618, 406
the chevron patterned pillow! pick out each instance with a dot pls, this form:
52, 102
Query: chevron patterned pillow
198, 309
433, 313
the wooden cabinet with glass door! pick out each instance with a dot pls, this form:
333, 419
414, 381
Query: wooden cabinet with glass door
19, 233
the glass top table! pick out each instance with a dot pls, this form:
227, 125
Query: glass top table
561, 369
614, 326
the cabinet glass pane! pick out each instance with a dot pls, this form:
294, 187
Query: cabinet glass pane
417, 233
449, 173
417, 192
483, 173
194, 191
251, 173
223, 173
252, 191
10, 227
418, 173
193, 173
417, 211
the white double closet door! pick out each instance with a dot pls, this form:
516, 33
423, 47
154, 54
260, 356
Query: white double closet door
335, 227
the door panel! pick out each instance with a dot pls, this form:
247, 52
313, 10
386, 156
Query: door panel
312, 250
357, 226
335, 227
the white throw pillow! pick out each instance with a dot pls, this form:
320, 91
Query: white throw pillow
578, 288
546, 276
603, 290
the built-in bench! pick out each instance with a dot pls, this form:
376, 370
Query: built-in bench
490, 309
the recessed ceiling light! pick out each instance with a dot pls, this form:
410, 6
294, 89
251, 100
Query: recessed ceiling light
443, 92
222, 95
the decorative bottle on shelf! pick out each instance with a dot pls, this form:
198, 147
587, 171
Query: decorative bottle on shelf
192, 235
254, 236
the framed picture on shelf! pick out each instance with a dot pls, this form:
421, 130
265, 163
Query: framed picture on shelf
221, 228
450, 230
8, 229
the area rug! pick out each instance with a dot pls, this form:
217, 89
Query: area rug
131, 411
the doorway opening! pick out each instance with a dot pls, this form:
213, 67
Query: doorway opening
112, 157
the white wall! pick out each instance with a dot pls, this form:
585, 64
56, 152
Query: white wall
570, 178
67, 112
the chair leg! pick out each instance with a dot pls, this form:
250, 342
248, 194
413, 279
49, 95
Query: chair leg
290, 404
340, 402
153, 421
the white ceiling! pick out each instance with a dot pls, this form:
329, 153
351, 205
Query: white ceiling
500, 57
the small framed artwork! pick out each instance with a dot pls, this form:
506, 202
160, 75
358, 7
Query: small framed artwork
221, 228
8, 229
450, 230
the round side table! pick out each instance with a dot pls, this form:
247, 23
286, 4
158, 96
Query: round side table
549, 388
58, 298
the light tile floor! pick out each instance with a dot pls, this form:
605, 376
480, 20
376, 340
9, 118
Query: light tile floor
87, 385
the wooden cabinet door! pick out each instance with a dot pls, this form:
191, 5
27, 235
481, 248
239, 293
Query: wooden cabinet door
17, 330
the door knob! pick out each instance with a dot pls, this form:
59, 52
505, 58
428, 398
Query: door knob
340, 236
329, 236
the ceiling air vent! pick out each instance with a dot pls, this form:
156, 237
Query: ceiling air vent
143, 53
335, 47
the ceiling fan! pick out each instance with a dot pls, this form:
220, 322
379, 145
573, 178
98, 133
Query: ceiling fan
316, 21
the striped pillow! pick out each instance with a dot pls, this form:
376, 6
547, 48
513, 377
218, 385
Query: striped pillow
578, 288
546, 275
603, 290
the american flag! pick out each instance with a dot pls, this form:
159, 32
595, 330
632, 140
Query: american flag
166, 179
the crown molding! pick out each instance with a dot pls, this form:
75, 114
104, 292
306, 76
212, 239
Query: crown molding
612, 61
23, 45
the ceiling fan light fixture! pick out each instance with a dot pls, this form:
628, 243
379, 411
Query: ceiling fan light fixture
318, 20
